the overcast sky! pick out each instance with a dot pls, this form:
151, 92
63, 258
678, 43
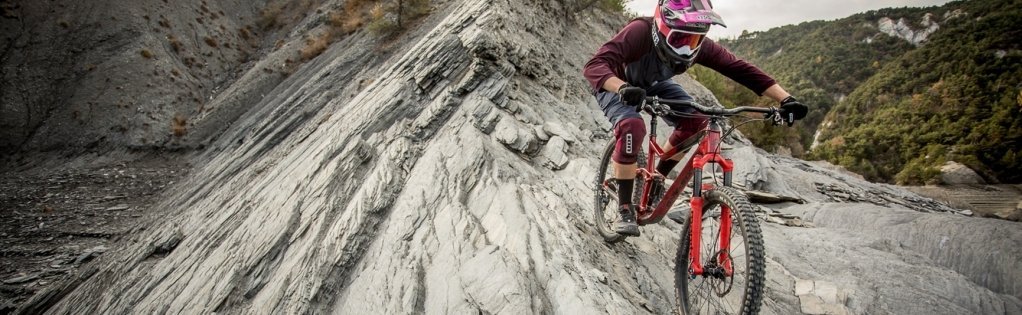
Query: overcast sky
761, 15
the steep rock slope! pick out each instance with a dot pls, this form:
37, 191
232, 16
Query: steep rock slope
144, 74
459, 180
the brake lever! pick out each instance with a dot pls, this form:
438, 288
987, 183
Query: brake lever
774, 116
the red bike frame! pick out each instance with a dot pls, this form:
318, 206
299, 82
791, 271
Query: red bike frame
707, 152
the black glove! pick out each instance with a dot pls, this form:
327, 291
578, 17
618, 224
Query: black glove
792, 110
632, 96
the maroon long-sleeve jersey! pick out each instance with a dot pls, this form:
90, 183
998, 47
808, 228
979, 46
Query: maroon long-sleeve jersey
630, 56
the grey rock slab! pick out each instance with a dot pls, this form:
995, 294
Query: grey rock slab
947, 240
554, 153
803, 286
556, 129
330, 196
516, 137
812, 304
857, 257
541, 134
765, 197
22, 278
827, 291
120, 207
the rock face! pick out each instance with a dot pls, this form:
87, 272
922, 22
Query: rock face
902, 29
460, 181
117, 74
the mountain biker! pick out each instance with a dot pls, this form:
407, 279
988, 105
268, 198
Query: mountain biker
641, 60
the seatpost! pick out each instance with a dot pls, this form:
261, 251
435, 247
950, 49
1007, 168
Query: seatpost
651, 156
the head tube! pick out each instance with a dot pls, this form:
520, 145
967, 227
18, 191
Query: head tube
711, 144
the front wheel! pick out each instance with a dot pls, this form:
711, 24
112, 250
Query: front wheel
715, 292
605, 195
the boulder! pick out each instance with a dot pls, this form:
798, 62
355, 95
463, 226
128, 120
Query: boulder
954, 173
554, 153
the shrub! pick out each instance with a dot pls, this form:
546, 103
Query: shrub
918, 172
574, 6
175, 44
178, 126
146, 53
613, 5
347, 21
314, 46
244, 33
268, 17
388, 17
380, 22
164, 22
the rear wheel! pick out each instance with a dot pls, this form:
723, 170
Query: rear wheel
714, 292
606, 203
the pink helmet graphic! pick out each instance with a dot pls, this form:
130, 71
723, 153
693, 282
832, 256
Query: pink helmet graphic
680, 27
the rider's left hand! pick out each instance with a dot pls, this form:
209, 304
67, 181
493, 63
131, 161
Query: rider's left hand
792, 110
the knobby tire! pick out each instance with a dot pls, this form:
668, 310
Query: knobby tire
746, 224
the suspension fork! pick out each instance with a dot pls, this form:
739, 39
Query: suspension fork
709, 152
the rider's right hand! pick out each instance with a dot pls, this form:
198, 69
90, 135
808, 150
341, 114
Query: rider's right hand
632, 96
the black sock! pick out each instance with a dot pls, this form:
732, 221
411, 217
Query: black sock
666, 166
624, 191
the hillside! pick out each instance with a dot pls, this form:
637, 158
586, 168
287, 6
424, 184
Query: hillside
145, 75
865, 76
820, 62
448, 169
957, 98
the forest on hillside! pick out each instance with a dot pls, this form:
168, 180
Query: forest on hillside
886, 108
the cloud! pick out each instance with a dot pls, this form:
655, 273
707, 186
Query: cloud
760, 15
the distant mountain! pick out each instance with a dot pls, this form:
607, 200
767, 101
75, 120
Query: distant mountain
897, 92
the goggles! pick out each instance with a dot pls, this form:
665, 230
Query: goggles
684, 43
683, 40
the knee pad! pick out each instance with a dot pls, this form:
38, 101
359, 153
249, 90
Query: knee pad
629, 134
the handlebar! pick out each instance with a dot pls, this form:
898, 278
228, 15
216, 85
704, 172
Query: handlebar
657, 106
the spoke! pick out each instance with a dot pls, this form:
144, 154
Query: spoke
702, 282
716, 237
730, 308
707, 298
719, 303
742, 241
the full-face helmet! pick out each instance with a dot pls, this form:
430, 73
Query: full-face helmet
680, 27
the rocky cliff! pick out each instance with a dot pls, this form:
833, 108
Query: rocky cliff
457, 178
150, 74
